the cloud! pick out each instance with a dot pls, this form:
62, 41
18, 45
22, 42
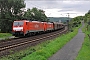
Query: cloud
56, 13
56, 7
43, 4
81, 6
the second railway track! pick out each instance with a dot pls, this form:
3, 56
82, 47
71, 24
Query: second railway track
19, 44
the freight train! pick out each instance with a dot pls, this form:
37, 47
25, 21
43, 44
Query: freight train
24, 27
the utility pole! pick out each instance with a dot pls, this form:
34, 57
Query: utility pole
68, 21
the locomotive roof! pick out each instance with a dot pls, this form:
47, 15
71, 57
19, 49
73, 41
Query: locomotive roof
21, 20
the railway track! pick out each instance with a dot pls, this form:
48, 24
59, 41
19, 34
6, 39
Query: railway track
19, 44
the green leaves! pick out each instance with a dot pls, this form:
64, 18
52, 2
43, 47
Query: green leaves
10, 10
35, 14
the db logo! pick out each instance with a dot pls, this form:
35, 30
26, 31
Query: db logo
50, 26
36, 26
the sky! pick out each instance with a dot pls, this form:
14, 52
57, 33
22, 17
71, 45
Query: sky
60, 8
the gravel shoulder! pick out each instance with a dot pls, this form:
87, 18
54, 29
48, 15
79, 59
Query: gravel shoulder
71, 49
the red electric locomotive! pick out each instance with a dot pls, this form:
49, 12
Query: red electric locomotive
24, 27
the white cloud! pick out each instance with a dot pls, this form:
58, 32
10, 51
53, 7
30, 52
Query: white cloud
52, 12
56, 13
70, 2
56, 8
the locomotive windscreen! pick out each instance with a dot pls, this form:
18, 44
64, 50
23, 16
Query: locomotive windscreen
18, 23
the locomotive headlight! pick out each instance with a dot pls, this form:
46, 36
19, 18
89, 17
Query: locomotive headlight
18, 28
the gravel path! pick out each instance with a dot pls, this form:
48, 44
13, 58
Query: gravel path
71, 49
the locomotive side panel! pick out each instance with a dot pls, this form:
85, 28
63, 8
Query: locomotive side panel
26, 27
35, 26
50, 26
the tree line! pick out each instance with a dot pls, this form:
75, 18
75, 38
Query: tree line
87, 20
11, 10
77, 20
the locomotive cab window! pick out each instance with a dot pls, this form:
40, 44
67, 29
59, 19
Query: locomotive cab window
20, 23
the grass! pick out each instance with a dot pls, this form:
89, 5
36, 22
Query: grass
84, 53
3, 35
44, 50
49, 49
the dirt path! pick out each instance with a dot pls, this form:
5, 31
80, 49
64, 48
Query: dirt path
71, 49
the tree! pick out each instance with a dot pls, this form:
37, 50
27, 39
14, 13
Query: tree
76, 21
35, 14
88, 12
87, 19
9, 11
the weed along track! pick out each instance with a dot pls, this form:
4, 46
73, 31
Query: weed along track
13, 45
